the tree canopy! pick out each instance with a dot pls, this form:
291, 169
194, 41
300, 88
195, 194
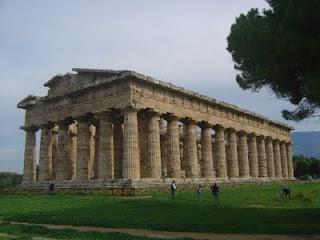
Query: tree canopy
279, 48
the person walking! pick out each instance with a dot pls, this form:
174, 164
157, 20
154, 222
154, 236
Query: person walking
215, 190
286, 192
173, 189
200, 192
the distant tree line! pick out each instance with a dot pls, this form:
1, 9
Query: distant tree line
304, 166
9, 179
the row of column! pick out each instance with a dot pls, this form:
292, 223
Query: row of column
117, 151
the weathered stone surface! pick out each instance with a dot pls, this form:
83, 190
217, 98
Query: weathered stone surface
284, 162
190, 150
154, 151
220, 152
243, 156
206, 153
29, 168
83, 150
173, 148
270, 158
44, 164
277, 159
262, 157
232, 154
253, 156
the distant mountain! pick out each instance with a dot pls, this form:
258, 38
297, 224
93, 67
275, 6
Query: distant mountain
306, 143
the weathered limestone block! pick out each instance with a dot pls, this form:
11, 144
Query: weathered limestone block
220, 152
44, 164
154, 150
262, 157
270, 157
131, 158
206, 152
243, 156
284, 162
63, 162
83, 150
173, 148
190, 149
118, 148
289, 159
232, 154
253, 156
73, 150
29, 168
277, 159
105, 163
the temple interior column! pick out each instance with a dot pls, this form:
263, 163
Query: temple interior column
143, 129
270, 157
29, 167
118, 147
92, 150
232, 154
154, 150
206, 152
253, 156
44, 164
105, 164
289, 159
190, 149
83, 149
243, 155
277, 159
53, 150
163, 146
284, 164
173, 148
73, 150
131, 158
220, 152
63, 155
262, 157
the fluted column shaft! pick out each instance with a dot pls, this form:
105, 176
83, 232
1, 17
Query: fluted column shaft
154, 151
190, 150
53, 150
131, 158
73, 151
284, 164
44, 164
289, 159
270, 158
253, 156
262, 157
206, 153
232, 154
220, 153
277, 159
105, 165
173, 149
243, 156
83, 150
118, 148
63, 155
29, 167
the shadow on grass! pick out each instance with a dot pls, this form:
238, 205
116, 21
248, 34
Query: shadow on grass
180, 216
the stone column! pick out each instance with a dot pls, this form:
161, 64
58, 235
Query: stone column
243, 156
206, 152
83, 149
44, 164
131, 158
220, 152
29, 167
270, 157
284, 164
154, 151
118, 148
106, 151
73, 150
92, 150
53, 150
163, 146
173, 148
190, 149
277, 159
232, 154
63, 155
253, 156
262, 157
289, 159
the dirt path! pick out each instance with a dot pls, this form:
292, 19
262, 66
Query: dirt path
168, 235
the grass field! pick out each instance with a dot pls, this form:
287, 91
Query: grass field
242, 209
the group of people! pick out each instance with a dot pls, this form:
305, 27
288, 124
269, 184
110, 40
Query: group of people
215, 190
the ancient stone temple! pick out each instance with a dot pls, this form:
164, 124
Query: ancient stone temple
105, 128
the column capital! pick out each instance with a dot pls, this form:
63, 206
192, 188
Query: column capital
219, 127
170, 117
269, 138
130, 108
188, 121
204, 125
242, 132
31, 128
231, 130
261, 137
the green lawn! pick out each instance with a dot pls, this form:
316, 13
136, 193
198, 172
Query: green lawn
242, 209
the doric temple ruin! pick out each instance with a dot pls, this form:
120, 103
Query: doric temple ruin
105, 128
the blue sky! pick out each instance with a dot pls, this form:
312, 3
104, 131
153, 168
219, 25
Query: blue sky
182, 42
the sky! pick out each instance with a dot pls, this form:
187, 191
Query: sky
179, 41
